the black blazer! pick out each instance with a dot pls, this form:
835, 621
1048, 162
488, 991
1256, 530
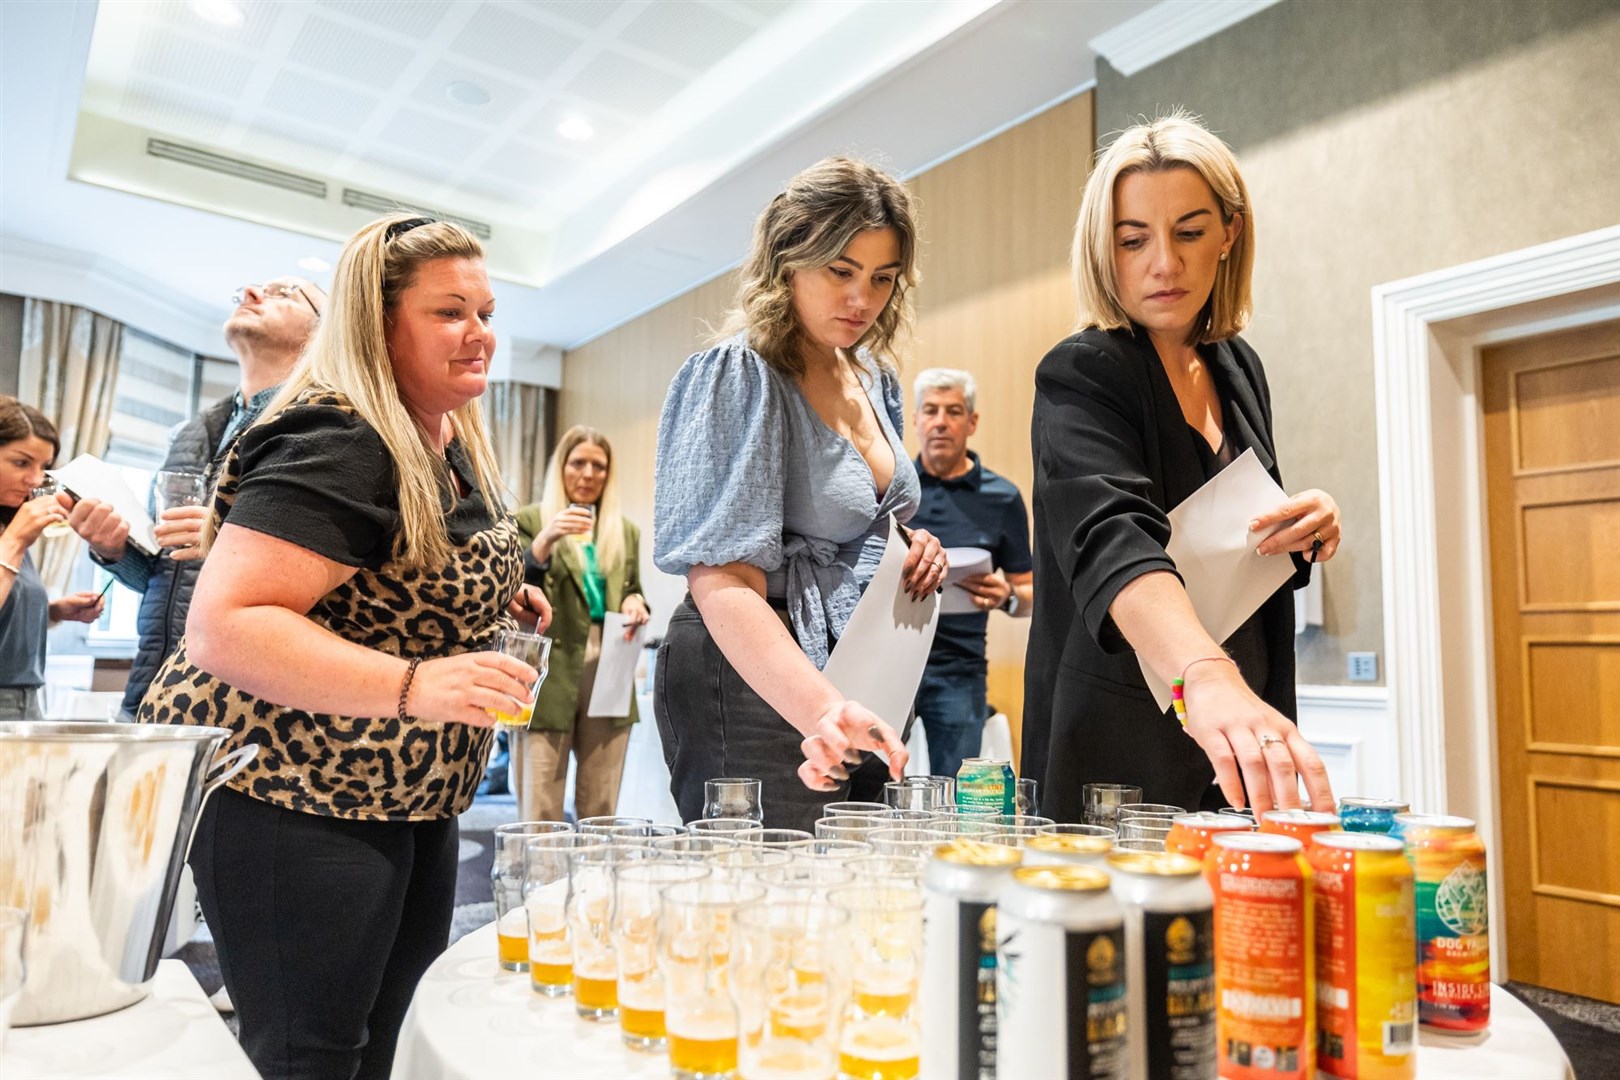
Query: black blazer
1113, 454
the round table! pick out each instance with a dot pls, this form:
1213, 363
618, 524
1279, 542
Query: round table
471, 1019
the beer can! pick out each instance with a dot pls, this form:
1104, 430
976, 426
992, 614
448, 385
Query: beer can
1192, 834
1170, 964
1366, 979
1453, 922
1300, 824
986, 782
958, 996
1060, 977
1067, 849
1263, 957
1360, 814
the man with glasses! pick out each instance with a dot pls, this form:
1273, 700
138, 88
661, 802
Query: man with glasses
268, 328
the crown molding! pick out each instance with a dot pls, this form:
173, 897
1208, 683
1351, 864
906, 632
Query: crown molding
65, 275
1167, 28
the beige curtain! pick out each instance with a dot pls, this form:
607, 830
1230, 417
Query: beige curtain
517, 423
68, 366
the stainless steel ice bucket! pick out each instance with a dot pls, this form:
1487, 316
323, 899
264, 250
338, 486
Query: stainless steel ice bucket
95, 823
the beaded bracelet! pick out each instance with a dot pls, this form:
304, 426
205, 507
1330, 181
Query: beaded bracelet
1178, 687
405, 687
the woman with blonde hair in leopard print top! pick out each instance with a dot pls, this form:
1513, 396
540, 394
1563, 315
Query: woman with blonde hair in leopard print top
361, 563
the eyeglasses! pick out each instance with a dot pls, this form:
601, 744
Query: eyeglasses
273, 291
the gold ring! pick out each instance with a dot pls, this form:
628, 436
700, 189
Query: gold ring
1318, 536
1267, 738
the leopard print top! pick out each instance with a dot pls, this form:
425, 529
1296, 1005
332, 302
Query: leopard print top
369, 769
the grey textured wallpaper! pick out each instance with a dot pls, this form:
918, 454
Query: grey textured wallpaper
1382, 140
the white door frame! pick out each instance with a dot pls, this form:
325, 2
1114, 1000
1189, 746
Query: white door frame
1427, 332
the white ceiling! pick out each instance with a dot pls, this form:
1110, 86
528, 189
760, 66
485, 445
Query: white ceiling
701, 109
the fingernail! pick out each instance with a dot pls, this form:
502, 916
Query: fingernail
838, 772
852, 757
1261, 550
1253, 525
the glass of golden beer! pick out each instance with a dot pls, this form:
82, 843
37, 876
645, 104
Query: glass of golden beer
547, 861
694, 949
532, 649
881, 1037
790, 981
506, 882
591, 876
636, 905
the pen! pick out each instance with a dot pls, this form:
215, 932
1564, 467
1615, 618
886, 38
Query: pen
105, 589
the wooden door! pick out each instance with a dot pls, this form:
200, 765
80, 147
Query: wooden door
1552, 446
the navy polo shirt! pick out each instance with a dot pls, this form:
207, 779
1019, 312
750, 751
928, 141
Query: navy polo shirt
982, 510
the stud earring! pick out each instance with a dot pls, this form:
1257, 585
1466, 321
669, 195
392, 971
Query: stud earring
1223, 256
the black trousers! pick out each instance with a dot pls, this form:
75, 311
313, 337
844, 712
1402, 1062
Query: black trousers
323, 926
713, 724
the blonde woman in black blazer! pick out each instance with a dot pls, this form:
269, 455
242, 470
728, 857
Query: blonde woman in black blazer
1134, 413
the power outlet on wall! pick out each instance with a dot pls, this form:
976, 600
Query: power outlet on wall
1363, 667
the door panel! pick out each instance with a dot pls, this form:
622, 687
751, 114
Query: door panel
1552, 464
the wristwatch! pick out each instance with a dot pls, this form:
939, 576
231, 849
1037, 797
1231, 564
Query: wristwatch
1010, 605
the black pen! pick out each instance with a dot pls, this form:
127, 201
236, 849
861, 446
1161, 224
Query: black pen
105, 589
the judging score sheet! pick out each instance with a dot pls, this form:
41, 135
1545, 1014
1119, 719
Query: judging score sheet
1212, 546
879, 659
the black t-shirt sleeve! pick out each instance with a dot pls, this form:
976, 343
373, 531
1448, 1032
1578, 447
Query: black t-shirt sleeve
1012, 553
321, 478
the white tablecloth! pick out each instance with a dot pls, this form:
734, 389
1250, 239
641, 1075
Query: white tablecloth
470, 1019
172, 1033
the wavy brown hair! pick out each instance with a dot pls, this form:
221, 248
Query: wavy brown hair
807, 227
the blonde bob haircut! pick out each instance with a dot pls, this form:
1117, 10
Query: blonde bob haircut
349, 355
554, 499
1177, 141
807, 227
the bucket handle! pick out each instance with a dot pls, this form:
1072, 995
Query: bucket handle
224, 766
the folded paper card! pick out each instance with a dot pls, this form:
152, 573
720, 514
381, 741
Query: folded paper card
1214, 550
963, 562
88, 477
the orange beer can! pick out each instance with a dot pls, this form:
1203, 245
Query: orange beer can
1263, 957
1366, 947
1300, 824
1192, 834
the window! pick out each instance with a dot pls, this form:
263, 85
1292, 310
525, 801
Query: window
159, 387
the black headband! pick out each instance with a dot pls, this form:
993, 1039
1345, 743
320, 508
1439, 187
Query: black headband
399, 228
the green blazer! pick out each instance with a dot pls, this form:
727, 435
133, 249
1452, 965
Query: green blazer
563, 579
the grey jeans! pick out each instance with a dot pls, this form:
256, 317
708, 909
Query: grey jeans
20, 703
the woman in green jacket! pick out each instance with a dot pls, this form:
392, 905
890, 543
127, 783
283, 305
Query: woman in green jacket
586, 556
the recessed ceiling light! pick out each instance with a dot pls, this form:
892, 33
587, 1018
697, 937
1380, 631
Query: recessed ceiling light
466, 93
219, 12
314, 264
576, 128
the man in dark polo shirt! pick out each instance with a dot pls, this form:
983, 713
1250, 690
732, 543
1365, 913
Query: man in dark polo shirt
965, 505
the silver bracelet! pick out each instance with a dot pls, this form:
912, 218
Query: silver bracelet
7, 566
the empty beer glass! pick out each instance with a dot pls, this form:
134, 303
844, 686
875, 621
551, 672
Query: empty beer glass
1102, 801
732, 827
881, 1037
694, 947
780, 839
636, 908
840, 809
506, 882
899, 870
607, 823
847, 827
802, 879
790, 980
642, 835
913, 793
547, 864
747, 861
732, 797
907, 840
692, 849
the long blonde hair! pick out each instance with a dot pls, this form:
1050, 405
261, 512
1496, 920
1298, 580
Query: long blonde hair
609, 519
807, 227
349, 355
1176, 141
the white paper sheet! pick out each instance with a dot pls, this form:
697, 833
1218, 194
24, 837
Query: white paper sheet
615, 668
88, 477
963, 562
1213, 548
879, 659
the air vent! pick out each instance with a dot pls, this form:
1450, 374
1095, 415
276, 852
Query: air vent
381, 204
229, 166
